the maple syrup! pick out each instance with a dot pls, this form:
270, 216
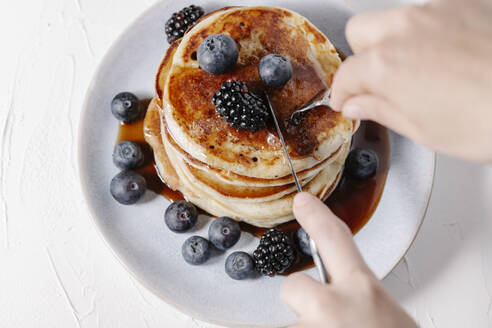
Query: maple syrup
135, 132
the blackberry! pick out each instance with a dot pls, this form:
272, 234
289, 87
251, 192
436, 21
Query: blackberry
275, 254
179, 22
241, 108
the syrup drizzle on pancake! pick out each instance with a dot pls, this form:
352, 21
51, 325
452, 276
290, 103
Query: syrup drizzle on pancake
190, 115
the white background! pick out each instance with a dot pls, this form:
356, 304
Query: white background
55, 269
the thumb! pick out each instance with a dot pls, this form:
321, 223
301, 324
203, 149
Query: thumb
332, 236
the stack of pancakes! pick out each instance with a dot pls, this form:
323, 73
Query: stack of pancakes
239, 173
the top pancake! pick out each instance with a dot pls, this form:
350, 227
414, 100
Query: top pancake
258, 31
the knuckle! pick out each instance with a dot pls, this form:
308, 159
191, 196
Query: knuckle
378, 64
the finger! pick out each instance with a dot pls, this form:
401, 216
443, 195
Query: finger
298, 292
367, 29
370, 107
378, 109
332, 236
355, 76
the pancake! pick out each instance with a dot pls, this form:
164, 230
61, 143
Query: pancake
152, 134
237, 173
191, 118
262, 214
266, 214
241, 180
206, 179
225, 191
224, 175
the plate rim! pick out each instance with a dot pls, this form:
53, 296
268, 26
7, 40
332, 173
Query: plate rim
82, 169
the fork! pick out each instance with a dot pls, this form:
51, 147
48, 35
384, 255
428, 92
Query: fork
325, 101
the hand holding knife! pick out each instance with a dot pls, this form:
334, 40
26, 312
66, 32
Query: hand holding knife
314, 250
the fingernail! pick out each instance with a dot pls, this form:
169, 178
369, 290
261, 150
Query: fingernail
352, 111
302, 199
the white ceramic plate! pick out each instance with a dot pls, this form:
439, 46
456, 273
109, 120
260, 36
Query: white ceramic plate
137, 234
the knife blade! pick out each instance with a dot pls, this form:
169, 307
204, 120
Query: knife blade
323, 276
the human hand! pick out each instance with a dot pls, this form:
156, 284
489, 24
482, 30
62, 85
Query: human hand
425, 72
354, 297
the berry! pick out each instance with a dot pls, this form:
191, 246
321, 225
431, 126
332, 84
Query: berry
361, 163
180, 216
179, 22
126, 107
196, 250
275, 70
217, 54
241, 108
224, 233
239, 266
127, 155
303, 241
275, 254
128, 187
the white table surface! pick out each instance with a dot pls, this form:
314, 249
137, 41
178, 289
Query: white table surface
56, 271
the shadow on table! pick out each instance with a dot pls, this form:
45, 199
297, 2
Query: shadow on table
457, 205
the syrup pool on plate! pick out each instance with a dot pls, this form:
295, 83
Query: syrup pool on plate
135, 132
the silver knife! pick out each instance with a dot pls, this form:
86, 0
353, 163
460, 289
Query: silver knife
323, 276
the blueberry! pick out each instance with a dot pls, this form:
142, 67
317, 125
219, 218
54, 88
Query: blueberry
196, 250
303, 241
180, 216
126, 107
128, 187
361, 163
224, 233
275, 70
127, 155
217, 53
239, 266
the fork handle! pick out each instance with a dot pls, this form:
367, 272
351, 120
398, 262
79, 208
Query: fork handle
323, 275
